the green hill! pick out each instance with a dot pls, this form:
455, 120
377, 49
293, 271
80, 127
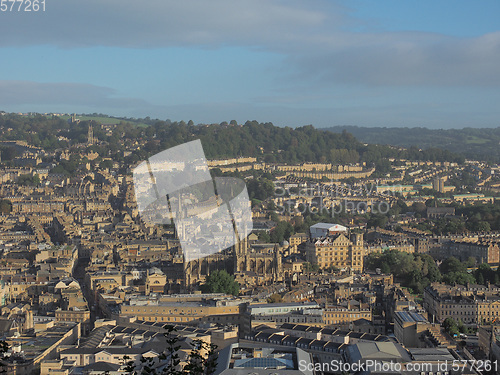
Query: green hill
482, 144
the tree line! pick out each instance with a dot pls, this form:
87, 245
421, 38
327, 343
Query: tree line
417, 271
265, 141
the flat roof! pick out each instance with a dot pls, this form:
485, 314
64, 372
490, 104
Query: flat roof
285, 304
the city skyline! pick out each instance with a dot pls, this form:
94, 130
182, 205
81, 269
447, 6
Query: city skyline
324, 63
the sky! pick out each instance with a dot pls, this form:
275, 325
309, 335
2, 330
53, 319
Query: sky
390, 63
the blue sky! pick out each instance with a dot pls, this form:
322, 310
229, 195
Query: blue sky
292, 62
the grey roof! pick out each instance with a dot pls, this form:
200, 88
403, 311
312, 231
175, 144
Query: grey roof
122, 350
264, 335
408, 316
5, 325
318, 344
102, 366
314, 329
80, 351
290, 339
301, 327
382, 338
284, 304
377, 351
119, 329
356, 335
276, 338
339, 332
370, 337
362, 321
431, 354
304, 341
110, 350
327, 331
333, 345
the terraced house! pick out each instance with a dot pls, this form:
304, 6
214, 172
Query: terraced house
473, 304
343, 316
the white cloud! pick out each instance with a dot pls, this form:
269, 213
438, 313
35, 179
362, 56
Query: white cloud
160, 23
309, 33
398, 59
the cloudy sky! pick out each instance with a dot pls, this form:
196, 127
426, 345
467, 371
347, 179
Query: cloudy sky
292, 62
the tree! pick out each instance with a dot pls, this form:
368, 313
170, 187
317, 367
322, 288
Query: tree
480, 279
462, 278
260, 189
483, 226
271, 206
220, 281
471, 262
5, 206
273, 216
282, 231
450, 326
263, 236
202, 359
485, 274
308, 267
106, 164
4, 348
377, 220
415, 271
452, 264
383, 166
419, 208
28, 180
8, 152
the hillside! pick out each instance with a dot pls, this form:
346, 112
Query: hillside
262, 140
483, 144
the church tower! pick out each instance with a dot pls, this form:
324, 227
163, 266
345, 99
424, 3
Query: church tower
90, 136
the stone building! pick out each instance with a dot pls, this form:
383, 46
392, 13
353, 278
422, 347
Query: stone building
483, 250
338, 251
473, 304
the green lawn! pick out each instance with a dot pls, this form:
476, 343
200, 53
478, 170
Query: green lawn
476, 140
100, 120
